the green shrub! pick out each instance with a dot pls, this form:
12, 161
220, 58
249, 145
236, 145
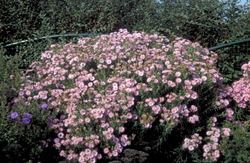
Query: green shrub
167, 92
236, 147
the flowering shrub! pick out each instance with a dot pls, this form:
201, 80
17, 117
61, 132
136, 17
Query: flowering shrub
241, 88
102, 85
238, 96
235, 148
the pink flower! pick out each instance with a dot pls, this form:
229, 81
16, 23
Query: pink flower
111, 114
63, 153
115, 153
151, 103
174, 110
178, 80
70, 156
87, 151
99, 156
60, 135
106, 150
190, 148
193, 108
121, 129
141, 73
81, 159
87, 120
178, 74
226, 133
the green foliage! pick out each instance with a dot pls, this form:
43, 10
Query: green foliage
7, 93
8, 86
19, 142
230, 60
236, 147
203, 21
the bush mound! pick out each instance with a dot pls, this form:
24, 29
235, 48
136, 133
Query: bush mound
107, 92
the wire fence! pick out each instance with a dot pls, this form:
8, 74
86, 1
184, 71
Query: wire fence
55, 36
234, 51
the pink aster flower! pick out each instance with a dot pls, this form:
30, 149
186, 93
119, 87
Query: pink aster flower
106, 150
60, 135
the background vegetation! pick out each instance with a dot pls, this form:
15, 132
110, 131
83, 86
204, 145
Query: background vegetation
209, 22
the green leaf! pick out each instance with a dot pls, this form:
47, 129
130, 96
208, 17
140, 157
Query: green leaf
230, 69
235, 76
228, 76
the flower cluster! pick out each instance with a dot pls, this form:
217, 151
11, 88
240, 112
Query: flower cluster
120, 78
241, 88
26, 118
211, 148
192, 143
